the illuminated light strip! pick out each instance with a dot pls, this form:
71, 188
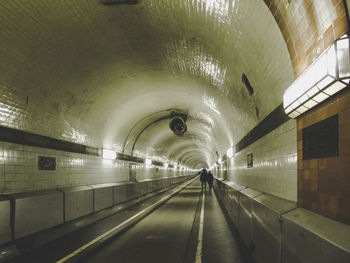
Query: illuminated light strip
329, 74
148, 162
108, 154
92, 242
200, 233
230, 152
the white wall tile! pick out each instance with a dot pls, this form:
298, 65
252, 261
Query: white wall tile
19, 169
274, 168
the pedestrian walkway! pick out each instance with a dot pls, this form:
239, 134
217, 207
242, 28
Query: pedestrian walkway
188, 228
221, 243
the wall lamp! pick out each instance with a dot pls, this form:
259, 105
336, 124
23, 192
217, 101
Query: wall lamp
326, 76
229, 152
108, 154
213, 166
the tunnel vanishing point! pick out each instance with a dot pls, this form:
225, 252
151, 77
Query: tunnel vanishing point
104, 102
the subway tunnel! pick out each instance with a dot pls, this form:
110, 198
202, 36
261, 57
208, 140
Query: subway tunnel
111, 109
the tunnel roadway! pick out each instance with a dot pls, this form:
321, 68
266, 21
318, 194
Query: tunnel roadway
183, 229
170, 234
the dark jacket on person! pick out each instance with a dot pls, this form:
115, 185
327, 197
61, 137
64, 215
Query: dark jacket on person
210, 178
204, 176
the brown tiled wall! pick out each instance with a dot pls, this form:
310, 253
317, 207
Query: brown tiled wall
324, 183
308, 27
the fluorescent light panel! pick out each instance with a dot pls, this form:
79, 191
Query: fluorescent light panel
108, 154
329, 74
229, 152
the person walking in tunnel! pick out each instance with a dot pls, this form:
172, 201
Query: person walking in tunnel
203, 178
210, 180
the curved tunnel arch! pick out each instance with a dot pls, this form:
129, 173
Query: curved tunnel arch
204, 151
101, 85
193, 155
165, 142
78, 77
93, 79
176, 147
200, 132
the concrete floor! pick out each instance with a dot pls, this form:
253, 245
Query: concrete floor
169, 234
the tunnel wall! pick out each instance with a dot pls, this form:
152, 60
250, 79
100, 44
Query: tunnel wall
309, 27
22, 214
324, 183
5, 220
19, 169
274, 167
277, 230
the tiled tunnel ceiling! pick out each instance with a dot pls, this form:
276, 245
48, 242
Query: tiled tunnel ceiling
309, 27
86, 72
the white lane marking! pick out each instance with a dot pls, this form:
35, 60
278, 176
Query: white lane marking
82, 248
200, 233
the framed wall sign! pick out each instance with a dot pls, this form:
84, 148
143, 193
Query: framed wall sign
250, 160
46, 163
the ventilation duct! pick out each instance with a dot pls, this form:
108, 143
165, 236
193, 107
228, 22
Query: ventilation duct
246, 83
178, 125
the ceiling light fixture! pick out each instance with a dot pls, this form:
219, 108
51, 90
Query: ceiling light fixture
329, 74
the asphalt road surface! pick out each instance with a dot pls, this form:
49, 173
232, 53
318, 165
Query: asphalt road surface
173, 234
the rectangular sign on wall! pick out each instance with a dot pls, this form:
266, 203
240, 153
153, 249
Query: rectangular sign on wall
46, 163
250, 160
321, 139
